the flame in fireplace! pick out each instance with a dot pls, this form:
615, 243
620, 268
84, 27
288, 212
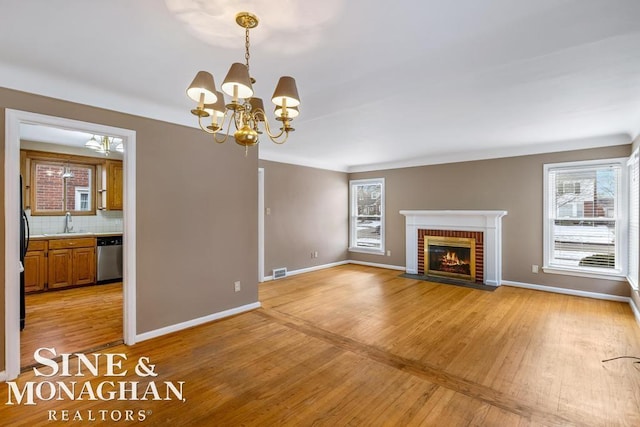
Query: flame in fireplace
451, 258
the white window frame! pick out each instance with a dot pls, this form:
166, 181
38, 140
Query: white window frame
634, 220
78, 199
620, 272
353, 202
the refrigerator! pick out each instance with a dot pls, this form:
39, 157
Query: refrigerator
24, 245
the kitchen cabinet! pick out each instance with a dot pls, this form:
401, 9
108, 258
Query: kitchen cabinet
115, 174
72, 262
84, 266
110, 184
35, 266
60, 268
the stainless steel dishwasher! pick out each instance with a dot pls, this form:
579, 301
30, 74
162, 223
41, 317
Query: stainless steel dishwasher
109, 259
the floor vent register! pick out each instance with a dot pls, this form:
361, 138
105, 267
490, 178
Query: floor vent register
279, 273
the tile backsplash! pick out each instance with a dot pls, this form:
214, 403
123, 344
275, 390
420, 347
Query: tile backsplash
102, 222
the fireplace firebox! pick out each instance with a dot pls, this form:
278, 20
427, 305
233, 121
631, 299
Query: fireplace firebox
452, 257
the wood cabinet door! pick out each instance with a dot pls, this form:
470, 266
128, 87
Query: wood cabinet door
35, 271
84, 266
115, 174
60, 268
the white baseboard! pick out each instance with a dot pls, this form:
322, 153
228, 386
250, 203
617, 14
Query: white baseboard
309, 269
335, 264
195, 322
573, 292
636, 311
374, 264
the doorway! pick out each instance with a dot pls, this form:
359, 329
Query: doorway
14, 120
260, 225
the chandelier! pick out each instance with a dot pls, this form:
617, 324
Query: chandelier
105, 144
244, 111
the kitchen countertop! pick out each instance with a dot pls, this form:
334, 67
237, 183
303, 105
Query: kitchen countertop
50, 236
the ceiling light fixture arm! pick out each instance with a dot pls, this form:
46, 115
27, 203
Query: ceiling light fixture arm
284, 130
214, 128
225, 135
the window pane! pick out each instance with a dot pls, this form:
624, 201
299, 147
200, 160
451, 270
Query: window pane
49, 187
586, 193
369, 199
368, 232
366, 224
584, 243
84, 201
368, 216
78, 183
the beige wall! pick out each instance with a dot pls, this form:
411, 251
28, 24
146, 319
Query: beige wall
513, 184
2, 242
309, 212
196, 215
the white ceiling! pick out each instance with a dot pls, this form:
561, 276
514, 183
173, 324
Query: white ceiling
49, 135
382, 84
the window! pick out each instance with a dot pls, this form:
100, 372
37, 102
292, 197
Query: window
367, 216
60, 187
634, 219
585, 218
82, 199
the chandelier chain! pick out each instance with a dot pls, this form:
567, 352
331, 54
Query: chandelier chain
246, 45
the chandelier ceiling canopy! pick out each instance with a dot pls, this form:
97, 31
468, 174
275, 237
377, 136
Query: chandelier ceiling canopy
245, 111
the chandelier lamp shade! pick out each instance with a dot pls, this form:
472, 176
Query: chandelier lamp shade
105, 144
244, 111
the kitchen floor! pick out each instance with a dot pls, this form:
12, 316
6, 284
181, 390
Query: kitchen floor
72, 320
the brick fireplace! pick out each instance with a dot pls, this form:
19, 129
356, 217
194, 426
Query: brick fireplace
484, 227
447, 238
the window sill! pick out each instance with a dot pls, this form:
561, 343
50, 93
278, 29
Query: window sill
367, 251
616, 276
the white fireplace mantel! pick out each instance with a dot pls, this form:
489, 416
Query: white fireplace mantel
488, 222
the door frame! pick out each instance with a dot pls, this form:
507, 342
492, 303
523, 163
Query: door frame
260, 225
13, 119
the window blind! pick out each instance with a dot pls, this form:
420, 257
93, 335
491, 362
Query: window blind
584, 216
367, 215
634, 219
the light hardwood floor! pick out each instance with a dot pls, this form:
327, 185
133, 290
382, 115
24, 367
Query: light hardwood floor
355, 345
72, 320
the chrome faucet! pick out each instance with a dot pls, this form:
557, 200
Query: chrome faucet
67, 220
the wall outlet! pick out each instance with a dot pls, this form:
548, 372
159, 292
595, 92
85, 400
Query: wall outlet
534, 269
315, 254
388, 252
268, 211
236, 286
